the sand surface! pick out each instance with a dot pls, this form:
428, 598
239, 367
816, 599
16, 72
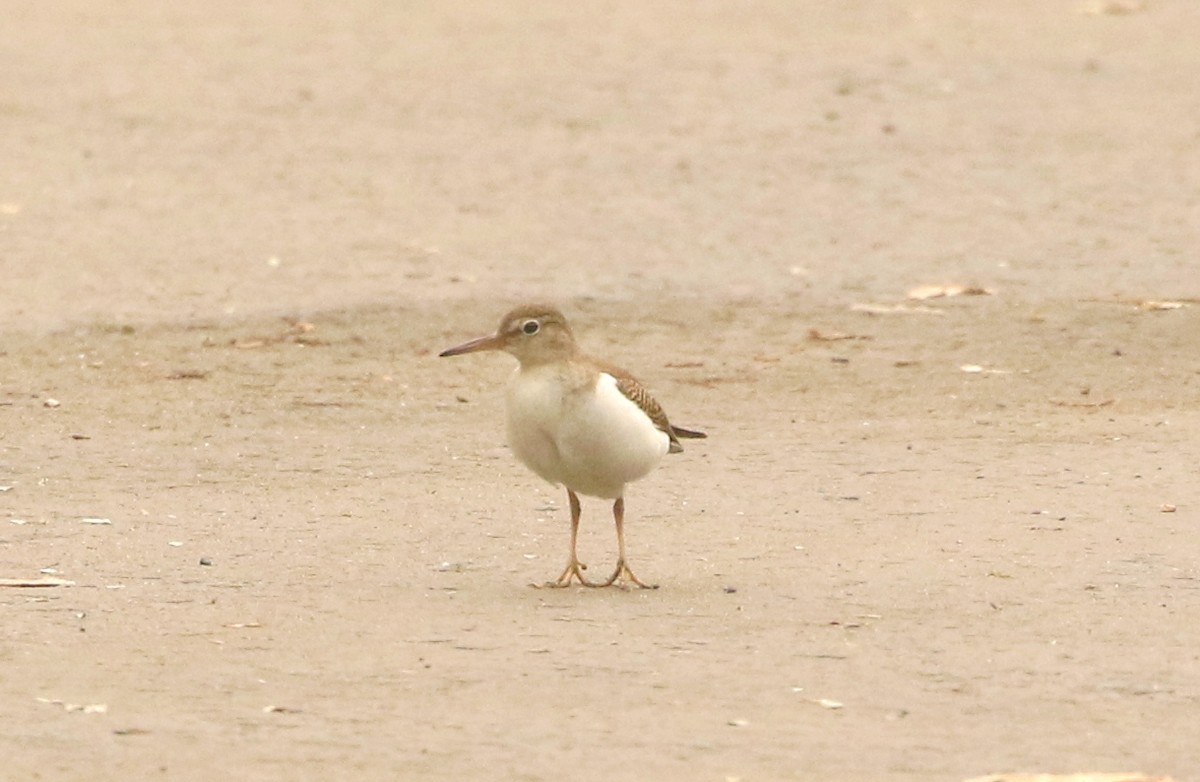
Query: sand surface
926, 539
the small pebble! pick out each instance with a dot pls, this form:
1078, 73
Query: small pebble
205, 561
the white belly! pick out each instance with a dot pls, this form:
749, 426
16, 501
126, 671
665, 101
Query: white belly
593, 441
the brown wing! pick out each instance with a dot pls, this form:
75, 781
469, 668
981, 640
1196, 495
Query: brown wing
635, 392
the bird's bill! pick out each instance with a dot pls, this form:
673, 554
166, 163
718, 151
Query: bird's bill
493, 342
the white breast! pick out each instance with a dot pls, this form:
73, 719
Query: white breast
592, 440
534, 410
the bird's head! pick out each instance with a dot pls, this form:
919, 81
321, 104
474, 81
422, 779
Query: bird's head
535, 334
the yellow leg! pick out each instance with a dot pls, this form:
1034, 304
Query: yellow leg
574, 568
623, 570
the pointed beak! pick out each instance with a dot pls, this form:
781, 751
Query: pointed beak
493, 342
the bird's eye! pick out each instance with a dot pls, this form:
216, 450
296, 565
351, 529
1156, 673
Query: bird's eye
530, 327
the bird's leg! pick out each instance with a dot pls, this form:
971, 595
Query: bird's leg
623, 570
574, 568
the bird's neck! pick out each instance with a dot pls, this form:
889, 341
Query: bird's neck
553, 354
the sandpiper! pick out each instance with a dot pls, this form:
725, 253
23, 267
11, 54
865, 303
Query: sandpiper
577, 421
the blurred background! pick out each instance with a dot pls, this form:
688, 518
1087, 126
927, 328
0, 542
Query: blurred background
222, 159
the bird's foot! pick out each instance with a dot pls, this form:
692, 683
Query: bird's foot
624, 573
573, 570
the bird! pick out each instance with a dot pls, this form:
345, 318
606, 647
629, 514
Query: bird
578, 422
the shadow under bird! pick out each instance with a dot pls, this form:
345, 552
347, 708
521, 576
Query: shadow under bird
578, 422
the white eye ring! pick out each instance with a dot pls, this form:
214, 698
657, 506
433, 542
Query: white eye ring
531, 327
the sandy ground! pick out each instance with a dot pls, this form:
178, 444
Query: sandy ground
925, 541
